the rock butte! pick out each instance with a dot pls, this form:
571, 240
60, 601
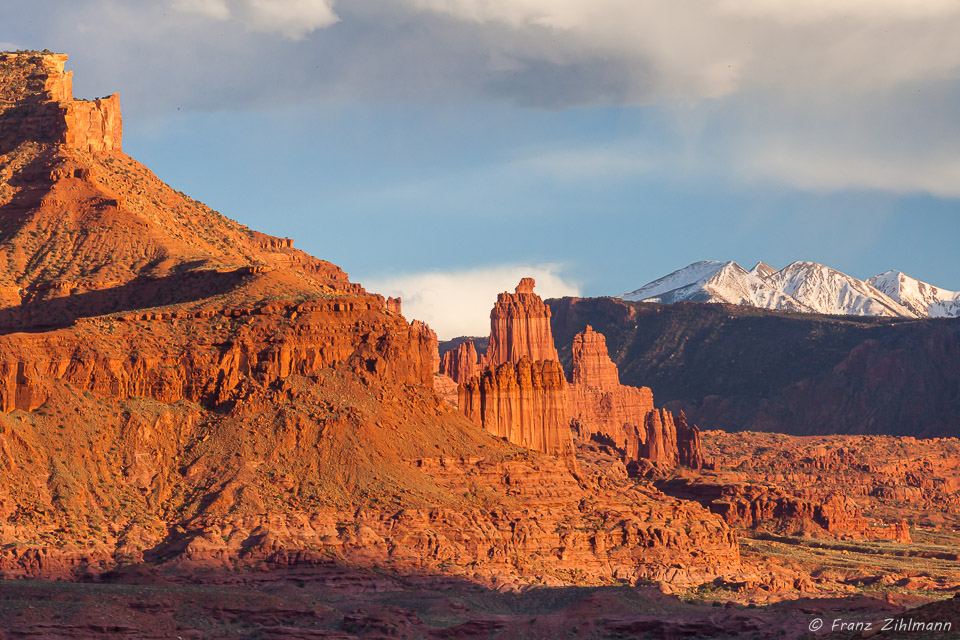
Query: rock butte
180, 390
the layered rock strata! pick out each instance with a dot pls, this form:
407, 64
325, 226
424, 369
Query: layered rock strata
522, 402
462, 363
520, 328
177, 389
601, 408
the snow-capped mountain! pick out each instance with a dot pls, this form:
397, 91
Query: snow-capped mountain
763, 270
712, 281
829, 291
920, 297
801, 286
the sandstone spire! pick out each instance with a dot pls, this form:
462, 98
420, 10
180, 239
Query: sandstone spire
462, 363
625, 416
520, 327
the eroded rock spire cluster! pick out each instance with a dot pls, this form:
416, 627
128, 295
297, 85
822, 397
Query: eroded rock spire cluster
518, 391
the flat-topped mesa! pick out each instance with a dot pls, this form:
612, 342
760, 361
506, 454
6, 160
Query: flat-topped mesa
600, 407
462, 363
524, 402
520, 327
37, 105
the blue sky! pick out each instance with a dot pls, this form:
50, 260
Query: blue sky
441, 148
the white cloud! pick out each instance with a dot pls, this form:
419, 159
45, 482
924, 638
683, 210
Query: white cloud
292, 19
829, 170
215, 9
458, 303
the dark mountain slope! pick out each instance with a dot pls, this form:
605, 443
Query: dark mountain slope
737, 368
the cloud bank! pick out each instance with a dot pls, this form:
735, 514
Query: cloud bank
458, 303
828, 82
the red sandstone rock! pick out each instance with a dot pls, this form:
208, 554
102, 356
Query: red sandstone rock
393, 305
462, 363
520, 328
45, 109
427, 337
524, 403
601, 407
212, 397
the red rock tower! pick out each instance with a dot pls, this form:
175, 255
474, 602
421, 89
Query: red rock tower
520, 327
462, 363
519, 392
600, 406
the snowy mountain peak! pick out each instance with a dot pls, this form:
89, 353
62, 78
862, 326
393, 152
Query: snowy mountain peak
832, 292
802, 286
712, 281
763, 270
922, 298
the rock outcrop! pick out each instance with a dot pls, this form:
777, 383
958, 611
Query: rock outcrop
520, 328
462, 363
179, 390
519, 393
603, 409
523, 402
428, 337
43, 108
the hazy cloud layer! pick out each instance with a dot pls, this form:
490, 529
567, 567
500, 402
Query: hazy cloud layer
458, 303
822, 94
292, 19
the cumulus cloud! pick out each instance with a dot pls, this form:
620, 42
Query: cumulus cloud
292, 19
458, 303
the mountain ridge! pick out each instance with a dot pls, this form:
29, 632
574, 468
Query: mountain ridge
801, 286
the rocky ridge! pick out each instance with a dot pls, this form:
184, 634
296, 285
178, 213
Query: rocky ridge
195, 394
803, 287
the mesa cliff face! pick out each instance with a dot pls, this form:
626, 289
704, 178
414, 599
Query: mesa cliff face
38, 106
178, 389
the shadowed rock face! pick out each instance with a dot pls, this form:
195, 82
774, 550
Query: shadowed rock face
735, 368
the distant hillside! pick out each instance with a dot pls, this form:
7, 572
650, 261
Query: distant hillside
737, 368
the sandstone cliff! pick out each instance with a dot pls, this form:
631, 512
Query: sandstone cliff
624, 416
523, 402
179, 389
462, 363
